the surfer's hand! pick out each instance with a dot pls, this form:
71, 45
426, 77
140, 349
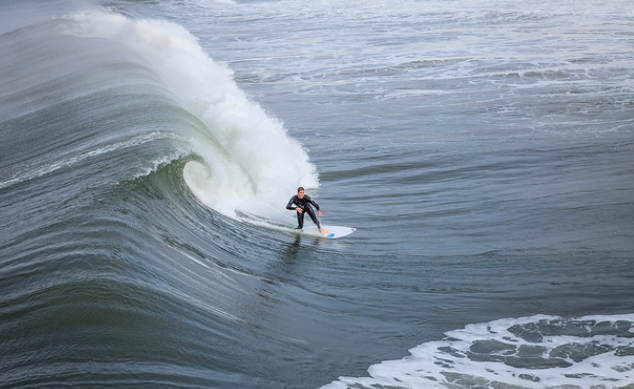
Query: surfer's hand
319, 213
299, 209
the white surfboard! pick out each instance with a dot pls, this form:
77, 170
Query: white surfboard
330, 232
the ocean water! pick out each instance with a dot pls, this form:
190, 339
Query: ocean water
484, 151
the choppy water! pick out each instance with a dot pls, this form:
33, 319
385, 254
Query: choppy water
484, 151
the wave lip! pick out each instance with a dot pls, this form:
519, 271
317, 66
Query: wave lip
249, 156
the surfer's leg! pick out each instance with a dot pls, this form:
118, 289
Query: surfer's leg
312, 215
300, 220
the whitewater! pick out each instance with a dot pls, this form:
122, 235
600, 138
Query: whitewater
483, 151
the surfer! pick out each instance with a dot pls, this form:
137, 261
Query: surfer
302, 204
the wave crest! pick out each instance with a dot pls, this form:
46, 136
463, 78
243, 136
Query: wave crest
249, 158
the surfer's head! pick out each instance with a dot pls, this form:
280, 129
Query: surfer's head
300, 192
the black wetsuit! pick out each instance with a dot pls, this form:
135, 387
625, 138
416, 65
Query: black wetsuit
305, 204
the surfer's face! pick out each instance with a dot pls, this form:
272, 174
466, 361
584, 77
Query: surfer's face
300, 194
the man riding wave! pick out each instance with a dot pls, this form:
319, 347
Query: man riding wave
301, 203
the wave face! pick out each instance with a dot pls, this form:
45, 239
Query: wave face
482, 150
108, 260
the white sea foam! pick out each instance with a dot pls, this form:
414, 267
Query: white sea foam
532, 352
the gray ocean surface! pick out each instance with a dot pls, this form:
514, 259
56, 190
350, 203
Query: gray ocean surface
484, 151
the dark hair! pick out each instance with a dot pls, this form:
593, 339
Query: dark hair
300, 189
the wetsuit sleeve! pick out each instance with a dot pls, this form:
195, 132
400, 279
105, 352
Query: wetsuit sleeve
291, 202
312, 202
